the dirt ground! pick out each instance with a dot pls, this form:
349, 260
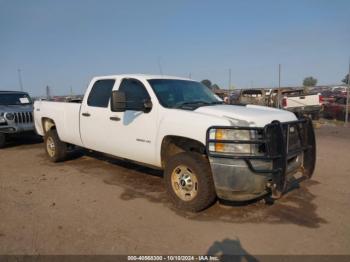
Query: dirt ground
96, 205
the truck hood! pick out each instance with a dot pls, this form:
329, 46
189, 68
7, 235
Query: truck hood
16, 108
247, 115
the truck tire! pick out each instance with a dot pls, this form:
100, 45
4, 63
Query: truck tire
2, 140
189, 181
55, 149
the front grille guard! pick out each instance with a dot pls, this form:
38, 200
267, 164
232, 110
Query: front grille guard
275, 141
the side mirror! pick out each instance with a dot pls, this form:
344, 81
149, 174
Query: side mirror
147, 106
118, 101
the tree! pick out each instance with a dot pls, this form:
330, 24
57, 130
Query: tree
309, 81
346, 79
206, 82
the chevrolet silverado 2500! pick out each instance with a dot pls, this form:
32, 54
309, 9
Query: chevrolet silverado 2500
207, 149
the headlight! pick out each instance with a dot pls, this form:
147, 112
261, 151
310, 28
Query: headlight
2, 119
9, 116
231, 134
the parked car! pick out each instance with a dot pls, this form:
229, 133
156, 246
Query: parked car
206, 148
328, 96
337, 109
254, 97
341, 90
16, 114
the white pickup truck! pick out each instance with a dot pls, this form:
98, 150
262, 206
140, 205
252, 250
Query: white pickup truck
298, 102
207, 149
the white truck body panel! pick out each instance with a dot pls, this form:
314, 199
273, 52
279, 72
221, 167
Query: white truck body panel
138, 136
66, 117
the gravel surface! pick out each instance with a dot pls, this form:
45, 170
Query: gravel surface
93, 204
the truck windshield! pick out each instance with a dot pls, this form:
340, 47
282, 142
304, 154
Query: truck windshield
14, 99
173, 93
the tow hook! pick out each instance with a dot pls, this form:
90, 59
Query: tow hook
275, 194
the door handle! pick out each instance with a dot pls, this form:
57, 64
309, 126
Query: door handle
114, 118
85, 114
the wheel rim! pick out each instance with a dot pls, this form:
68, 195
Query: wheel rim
50, 146
184, 182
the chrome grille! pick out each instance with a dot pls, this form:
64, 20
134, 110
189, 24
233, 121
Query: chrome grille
23, 117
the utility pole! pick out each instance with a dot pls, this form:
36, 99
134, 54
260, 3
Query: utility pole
229, 79
190, 75
48, 93
20, 79
279, 87
71, 91
347, 98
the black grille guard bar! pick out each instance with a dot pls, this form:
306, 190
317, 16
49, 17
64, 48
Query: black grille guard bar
275, 139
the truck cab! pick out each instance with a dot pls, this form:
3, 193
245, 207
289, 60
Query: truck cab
16, 114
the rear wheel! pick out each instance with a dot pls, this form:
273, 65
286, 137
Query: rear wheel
189, 181
56, 150
2, 140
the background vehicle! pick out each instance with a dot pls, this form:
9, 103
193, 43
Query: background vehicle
337, 109
16, 114
295, 100
206, 149
254, 97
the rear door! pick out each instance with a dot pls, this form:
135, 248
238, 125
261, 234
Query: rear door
94, 115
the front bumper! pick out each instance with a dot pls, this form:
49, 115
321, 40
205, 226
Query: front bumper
245, 177
11, 129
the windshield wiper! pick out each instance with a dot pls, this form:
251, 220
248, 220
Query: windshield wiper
217, 103
189, 103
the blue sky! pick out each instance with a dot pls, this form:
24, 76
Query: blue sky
64, 43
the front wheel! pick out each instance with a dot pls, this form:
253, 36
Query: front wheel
56, 150
189, 182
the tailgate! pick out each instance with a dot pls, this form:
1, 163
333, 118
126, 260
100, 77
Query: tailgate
302, 101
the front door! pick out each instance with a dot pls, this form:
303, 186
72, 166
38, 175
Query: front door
130, 134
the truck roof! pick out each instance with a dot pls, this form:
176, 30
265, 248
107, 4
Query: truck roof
12, 92
142, 76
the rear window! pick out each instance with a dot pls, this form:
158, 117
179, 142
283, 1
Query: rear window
101, 93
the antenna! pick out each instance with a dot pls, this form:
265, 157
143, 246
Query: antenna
229, 79
20, 79
279, 86
160, 66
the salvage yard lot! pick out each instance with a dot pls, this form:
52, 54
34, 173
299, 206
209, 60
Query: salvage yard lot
92, 204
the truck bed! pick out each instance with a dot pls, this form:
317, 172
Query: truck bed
66, 117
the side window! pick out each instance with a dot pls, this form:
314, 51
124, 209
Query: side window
100, 93
135, 93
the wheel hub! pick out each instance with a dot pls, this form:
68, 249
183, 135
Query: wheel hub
184, 183
50, 145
